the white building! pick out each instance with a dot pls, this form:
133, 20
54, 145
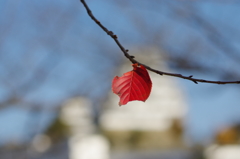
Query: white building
159, 113
223, 152
83, 142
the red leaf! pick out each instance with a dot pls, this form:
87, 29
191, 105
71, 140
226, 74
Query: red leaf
133, 85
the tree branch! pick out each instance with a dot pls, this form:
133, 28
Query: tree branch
131, 58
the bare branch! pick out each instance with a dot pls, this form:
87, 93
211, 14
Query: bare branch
131, 58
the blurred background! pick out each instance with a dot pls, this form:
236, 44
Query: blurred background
56, 68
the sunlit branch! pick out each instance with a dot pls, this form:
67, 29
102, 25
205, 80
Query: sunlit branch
132, 58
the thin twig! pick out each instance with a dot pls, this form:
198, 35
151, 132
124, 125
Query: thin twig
131, 58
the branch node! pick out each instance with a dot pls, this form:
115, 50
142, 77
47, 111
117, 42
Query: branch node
195, 82
110, 33
98, 22
131, 56
191, 76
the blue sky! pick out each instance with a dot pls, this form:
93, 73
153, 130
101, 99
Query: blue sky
76, 52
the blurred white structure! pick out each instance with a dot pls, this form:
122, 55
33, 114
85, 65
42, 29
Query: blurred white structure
157, 123
83, 143
166, 102
223, 152
76, 113
89, 147
41, 143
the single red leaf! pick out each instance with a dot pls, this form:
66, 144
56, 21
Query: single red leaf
133, 85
